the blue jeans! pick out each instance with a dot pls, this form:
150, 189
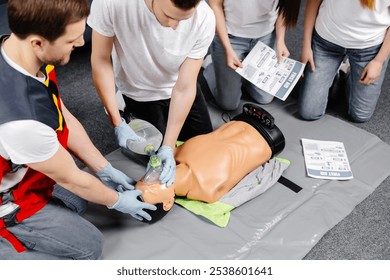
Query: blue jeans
362, 99
225, 83
55, 233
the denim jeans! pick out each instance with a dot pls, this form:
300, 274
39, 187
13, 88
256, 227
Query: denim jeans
225, 83
362, 99
197, 122
55, 233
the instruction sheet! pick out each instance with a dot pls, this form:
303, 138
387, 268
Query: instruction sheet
326, 160
261, 68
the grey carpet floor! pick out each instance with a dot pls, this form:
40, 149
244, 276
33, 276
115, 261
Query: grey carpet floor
362, 235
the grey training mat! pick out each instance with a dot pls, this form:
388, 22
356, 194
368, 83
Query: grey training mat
278, 224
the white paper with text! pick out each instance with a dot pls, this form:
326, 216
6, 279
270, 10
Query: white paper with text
261, 68
326, 160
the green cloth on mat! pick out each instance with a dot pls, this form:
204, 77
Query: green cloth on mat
217, 212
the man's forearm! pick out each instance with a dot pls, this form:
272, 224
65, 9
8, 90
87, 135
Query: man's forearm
179, 108
90, 188
280, 29
81, 145
183, 96
63, 170
385, 48
103, 77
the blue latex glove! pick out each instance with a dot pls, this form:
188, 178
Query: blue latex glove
169, 165
115, 179
123, 133
129, 204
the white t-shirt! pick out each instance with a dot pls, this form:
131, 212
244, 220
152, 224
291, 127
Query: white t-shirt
250, 18
146, 55
346, 23
24, 141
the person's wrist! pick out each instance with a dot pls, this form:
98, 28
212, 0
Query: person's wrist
166, 146
118, 121
103, 169
115, 203
379, 60
165, 150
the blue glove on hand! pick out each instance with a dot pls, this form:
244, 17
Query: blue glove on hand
115, 179
123, 133
169, 165
129, 204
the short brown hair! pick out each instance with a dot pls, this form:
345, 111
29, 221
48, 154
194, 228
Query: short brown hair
47, 18
185, 4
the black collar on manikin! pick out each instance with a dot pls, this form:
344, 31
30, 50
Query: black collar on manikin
264, 123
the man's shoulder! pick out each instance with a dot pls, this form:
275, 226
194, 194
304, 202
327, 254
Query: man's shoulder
205, 15
204, 10
103, 11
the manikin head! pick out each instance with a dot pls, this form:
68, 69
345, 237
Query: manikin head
157, 194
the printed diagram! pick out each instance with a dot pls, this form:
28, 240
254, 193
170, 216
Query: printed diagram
262, 68
326, 160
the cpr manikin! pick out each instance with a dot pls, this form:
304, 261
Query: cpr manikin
210, 165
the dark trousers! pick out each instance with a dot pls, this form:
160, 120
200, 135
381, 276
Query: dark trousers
156, 112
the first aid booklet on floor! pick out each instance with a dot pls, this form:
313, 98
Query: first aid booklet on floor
326, 160
261, 68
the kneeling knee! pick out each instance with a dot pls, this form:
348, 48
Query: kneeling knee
360, 119
94, 247
227, 106
97, 250
309, 116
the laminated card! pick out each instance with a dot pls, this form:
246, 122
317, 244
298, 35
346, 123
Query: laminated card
326, 160
262, 68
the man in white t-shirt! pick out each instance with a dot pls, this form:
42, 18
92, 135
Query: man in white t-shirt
37, 137
157, 49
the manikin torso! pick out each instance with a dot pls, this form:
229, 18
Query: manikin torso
210, 165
